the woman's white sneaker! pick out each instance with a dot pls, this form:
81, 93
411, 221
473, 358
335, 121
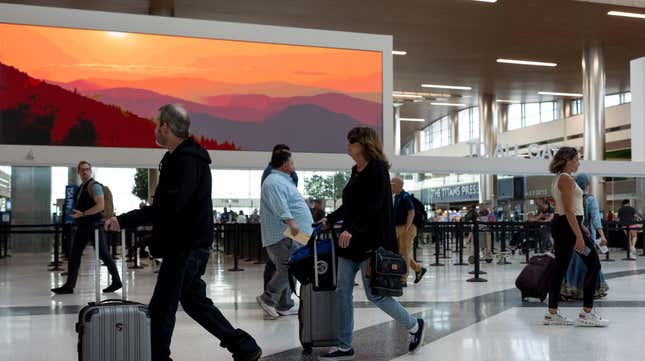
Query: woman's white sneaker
556, 319
591, 319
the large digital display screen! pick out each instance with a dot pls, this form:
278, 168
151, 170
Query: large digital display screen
76, 87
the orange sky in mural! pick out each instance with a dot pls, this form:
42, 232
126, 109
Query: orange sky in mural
175, 64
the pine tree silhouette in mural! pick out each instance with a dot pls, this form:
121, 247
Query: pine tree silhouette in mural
82, 134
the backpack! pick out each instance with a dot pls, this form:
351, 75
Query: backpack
108, 201
420, 214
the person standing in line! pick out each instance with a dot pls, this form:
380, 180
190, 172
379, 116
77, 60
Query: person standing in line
182, 234
568, 237
627, 219
368, 223
406, 231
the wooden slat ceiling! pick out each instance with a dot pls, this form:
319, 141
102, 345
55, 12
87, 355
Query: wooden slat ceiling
449, 42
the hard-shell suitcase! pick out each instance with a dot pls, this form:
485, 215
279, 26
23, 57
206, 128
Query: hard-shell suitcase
113, 330
535, 279
318, 316
318, 313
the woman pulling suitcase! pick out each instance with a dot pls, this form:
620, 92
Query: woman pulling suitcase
367, 215
568, 237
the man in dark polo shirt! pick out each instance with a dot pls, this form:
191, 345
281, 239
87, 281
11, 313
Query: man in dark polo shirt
405, 229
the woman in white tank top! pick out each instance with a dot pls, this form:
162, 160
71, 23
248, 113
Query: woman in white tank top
567, 236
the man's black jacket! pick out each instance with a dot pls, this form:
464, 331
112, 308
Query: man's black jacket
182, 209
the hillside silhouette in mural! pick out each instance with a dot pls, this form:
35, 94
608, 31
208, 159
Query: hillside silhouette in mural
33, 112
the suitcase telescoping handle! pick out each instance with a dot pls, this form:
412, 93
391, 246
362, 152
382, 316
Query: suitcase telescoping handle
97, 272
314, 237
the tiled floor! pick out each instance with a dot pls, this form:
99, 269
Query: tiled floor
468, 321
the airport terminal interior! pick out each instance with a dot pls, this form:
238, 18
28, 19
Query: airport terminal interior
470, 99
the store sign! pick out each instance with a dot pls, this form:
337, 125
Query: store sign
456, 193
535, 151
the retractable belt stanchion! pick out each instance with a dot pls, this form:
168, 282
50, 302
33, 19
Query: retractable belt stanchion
236, 246
135, 251
436, 229
460, 245
501, 231
56, 263
477, 271
445, 240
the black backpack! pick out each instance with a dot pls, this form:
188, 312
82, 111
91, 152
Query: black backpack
420, 214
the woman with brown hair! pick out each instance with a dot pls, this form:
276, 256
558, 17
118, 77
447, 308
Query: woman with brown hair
368, 223
567, 235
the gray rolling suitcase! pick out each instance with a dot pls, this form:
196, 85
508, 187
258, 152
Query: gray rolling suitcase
113, 330
318, 312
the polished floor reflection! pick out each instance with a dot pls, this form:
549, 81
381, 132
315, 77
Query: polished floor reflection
467, 321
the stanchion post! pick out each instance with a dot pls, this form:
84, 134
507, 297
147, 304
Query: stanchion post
460, 245
436, 228
56, 247
135, 256
236, 246
477, 271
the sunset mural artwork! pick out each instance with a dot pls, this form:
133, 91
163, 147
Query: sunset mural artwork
74, 87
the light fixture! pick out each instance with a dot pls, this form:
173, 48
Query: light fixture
557, 94
487, 1
412, 119
399, 52
408, 96
446, 86
626, 14
525, 62
506, 101
450, 104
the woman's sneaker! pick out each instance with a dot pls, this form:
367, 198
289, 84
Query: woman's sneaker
591, 319
337, 354
556, 319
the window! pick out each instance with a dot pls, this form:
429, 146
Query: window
463, 124
612, 100
627, 97
576, 107
531, 114
528, 114
547, 111
468, 120
514, 116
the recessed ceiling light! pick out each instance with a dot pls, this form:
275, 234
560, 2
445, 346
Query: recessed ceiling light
446, 87
409, 96
399, 52
450, 104
626, 14
507, 101
412, 119
525, 62
487, 1
558, 94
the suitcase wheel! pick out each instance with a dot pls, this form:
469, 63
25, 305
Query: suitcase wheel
307, 348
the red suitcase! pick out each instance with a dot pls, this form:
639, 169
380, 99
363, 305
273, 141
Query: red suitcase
535, 279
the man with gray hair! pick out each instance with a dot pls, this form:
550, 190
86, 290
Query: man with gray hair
182, 217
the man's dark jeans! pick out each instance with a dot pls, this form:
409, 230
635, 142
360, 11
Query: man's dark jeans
84, 234
180, 280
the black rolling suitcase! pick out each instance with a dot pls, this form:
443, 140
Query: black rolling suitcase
535, 279
314, 265
113, 330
